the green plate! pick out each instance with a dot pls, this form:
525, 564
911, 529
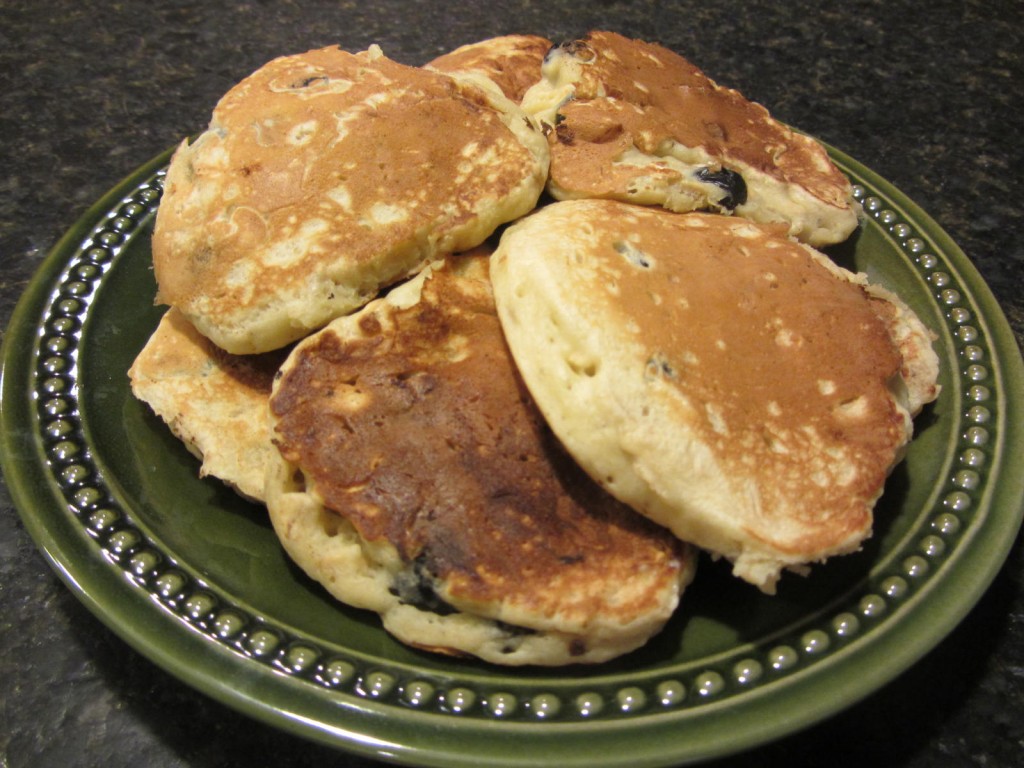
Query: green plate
192, 576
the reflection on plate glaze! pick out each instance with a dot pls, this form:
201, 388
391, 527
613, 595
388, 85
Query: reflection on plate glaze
904, 575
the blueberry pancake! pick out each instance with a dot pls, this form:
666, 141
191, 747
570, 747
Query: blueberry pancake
416, 479
632, 121
326, 176
724, 380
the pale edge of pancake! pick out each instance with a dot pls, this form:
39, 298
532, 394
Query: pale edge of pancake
364, 575
627, 450
769, 200
222, 424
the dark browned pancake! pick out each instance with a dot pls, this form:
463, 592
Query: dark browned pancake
419, 480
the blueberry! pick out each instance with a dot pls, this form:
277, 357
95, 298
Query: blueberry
729, 181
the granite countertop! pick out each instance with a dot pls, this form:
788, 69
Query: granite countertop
930, 99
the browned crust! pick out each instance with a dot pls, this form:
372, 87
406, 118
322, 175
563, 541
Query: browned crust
731, 383
765, 323
284, 191
511, 61
636, 93
449, 461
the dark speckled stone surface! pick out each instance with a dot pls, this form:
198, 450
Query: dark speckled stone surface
929, 95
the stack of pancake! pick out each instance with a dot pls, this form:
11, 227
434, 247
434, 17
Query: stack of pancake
502, 342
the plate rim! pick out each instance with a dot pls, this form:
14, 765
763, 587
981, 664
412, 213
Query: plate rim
368, 728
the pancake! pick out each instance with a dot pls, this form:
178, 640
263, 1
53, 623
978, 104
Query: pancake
512, 62
630, 120
214, 402
724, 380
325, 176
416, 479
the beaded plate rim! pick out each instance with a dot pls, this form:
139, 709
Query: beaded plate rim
368, 705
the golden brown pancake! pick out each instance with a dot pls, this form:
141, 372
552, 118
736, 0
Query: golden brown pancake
418, 480
724, 380
633, 121
512, 62
326, 176
214, 402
